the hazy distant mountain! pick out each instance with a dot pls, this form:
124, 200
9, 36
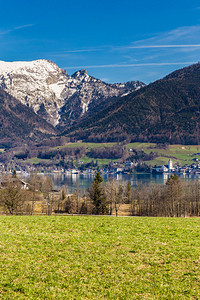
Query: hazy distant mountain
52, 94
167, 110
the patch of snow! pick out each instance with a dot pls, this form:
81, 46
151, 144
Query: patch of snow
124, 94
57, 89
6, 67
84, 107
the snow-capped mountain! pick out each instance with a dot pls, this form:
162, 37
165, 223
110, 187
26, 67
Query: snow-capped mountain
37, 84
54, 95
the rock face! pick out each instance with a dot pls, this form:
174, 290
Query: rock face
37, 84
52, 94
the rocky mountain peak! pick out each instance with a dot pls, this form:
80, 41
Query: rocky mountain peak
80, 73
54, 95
34, 83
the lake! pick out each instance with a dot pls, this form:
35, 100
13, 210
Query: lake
83, 182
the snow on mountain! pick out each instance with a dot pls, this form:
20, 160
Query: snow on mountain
53, 94
36, 84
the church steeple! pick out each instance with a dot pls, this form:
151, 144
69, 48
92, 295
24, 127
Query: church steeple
170, 165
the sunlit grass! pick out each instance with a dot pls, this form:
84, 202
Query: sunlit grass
36, 160
101, 162
87, 145
99, 258
179, 153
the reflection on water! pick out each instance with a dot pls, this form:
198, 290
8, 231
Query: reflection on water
83, 182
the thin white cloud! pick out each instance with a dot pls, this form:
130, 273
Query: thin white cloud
84, 50
23, 26
130, 65
66, 53
186, 38
176, 37
161, 46
15, 28
74, 51
60, 55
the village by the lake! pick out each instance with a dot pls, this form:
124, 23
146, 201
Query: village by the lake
112, 168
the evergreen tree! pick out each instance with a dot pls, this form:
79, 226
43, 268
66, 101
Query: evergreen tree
173, 179
14, 174
97, 195
128, 193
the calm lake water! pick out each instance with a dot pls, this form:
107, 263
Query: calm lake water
83, 182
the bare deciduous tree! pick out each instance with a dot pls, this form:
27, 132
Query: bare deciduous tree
114, 195
12, 196
34, 187
46, 188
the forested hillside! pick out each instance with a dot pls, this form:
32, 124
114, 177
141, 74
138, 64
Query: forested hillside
19, 123
167, 110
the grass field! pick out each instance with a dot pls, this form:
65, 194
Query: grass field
99, 258
101, 162
183, 154
87, 145
36, 160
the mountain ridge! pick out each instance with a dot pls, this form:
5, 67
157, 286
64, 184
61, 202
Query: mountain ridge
53, 94
167, 110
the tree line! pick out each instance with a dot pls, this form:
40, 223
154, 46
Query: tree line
174, 199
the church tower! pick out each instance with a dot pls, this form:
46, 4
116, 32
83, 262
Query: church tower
170, 165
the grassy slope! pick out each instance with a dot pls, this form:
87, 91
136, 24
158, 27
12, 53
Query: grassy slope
101, 161
178, 153
99, 258
85, 158
36, 160
87, 145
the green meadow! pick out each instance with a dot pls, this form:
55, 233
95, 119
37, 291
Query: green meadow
87, 145
101, 162
81, 257
182, 154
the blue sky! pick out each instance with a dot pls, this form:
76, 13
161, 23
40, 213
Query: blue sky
115, 41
